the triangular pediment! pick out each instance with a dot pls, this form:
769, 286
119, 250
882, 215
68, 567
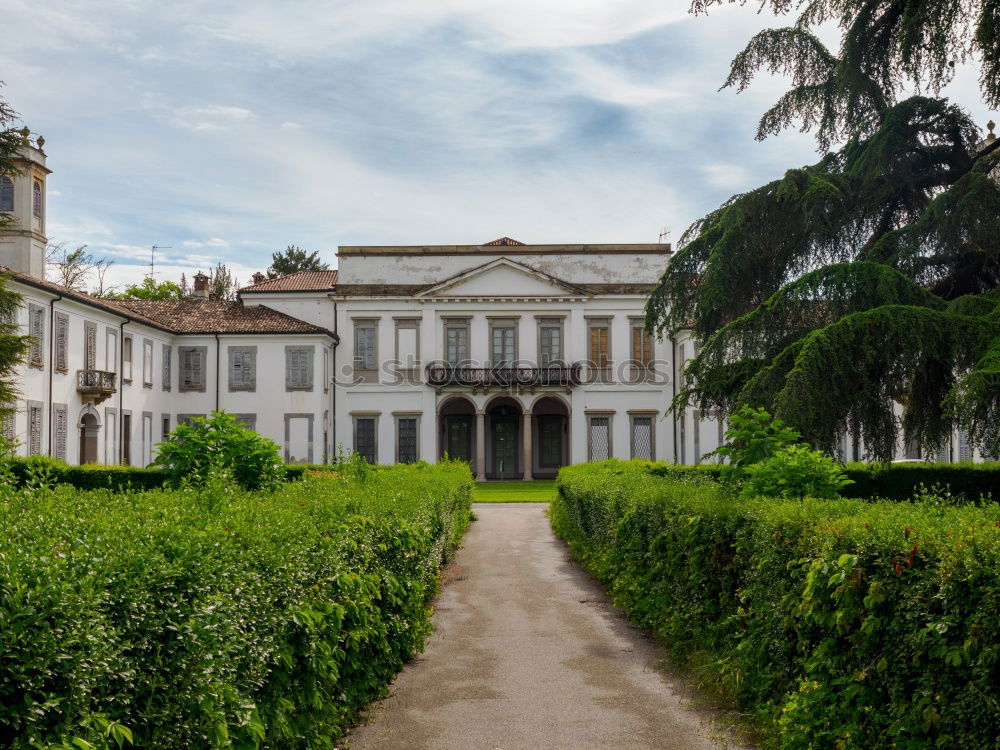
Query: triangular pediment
503, 277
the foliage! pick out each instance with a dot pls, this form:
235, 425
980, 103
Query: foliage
74, 268
223, 621
222, 285
795, 471
194, 452
753, 436
294, 259
13, 347
835, 623
153, 290
868, 280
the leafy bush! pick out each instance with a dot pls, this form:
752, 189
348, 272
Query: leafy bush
836, 623
753, 436
193, 452
794, 471
212, 617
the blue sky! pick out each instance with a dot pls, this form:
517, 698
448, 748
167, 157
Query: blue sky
229, 130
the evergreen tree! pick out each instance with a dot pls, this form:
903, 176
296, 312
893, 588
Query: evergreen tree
872, 277
222, 285
294, 259
13, 346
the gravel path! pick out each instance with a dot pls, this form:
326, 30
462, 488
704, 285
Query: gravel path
528, 653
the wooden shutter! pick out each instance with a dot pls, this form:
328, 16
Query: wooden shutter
37, 332
197, 368
6, 194
90, 346
60, 436
166, 366
34, 430
62, 330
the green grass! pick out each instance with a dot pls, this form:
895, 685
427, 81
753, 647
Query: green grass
537, 491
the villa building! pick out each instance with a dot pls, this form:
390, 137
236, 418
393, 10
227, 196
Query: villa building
516, 358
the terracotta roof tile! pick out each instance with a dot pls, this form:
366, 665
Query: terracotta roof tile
184, 315
218, 316
300, 281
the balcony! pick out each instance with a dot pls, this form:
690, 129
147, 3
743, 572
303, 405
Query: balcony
95, 385
439, 375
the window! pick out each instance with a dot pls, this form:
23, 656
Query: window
62, 336
550, 340
599, 336
8, 427
247, 420
90, 346
299, 368
164, 426
598, 437
550, 448
36, 329
407, 347
6, 194
127, 359
242, 368
365, 444
327, 355
167, 352
147, 363
696, 435
642, 437
299, 438
365, 345
503, 343
192, 361
187, 419
111, 350
36, 199
34, 428
456, 348
406, 439
642, 345
964, 446
147, 438
682, 439
60, 430
127, 438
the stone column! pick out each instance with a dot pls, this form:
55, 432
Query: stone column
480, 446
526, 444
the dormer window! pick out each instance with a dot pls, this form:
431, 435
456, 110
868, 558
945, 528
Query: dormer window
36, 199
6, 194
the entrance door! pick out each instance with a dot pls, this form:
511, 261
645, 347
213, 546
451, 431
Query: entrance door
458, 437
505, 446
88, 439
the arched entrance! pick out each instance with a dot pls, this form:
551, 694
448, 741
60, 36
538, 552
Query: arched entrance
550, 416
503, 439
90, 427
457, 429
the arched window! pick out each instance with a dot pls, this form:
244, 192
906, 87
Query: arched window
6, 194
36, 199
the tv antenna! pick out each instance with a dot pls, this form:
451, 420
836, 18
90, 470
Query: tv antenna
665, 234
152, 259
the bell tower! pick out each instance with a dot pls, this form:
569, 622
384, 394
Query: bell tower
23, 199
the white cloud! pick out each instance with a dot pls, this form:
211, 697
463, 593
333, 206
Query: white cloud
730, 177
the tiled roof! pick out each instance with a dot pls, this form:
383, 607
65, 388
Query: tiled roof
218, 316
300, 281
505, 241
184, 315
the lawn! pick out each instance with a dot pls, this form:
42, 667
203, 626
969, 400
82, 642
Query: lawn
538, 491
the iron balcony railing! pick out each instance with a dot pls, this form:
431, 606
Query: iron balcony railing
95, 384
503, 377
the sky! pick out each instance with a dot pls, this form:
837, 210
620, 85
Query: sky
224, 131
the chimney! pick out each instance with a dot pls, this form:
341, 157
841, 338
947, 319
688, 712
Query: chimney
259, 278
200, 286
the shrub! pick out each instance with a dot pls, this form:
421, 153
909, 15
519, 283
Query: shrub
753, 436
193, 452
794, 471
972, 482
836, 623
215, 618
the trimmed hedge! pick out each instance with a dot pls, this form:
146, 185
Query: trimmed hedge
900, 482
100, 477
217, 618
841, 624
